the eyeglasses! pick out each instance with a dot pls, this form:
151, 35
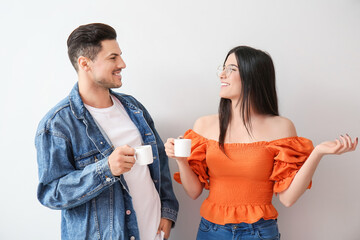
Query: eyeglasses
228, 70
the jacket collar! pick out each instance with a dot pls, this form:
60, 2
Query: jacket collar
77, 105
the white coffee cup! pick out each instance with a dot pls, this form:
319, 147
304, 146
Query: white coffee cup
182, 147
143, 155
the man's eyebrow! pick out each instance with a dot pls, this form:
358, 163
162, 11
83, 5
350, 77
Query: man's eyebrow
114, 54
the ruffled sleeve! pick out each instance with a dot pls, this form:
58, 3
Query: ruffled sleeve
197, 159
290, 155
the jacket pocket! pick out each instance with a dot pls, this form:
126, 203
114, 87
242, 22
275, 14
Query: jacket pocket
88, 158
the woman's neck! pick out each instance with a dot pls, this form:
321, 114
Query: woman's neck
237, 115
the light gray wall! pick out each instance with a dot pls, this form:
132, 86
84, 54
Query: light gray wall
172, 49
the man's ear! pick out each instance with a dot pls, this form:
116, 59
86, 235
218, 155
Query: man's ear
83, 63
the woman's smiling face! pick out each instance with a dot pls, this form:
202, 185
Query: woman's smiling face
230, 79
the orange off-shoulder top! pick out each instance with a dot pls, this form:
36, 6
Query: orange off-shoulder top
241, 184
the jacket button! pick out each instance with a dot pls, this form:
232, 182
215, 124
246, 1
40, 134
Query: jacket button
132, 238
108, 179
128, 212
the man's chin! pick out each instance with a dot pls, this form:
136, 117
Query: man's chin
116, 85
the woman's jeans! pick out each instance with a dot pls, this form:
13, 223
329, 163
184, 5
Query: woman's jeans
262, 229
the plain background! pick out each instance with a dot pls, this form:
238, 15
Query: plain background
172, 50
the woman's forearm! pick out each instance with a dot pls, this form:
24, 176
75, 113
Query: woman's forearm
190, 181
301, 180
304, 175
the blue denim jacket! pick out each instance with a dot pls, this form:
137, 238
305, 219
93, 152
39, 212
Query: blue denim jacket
74, 175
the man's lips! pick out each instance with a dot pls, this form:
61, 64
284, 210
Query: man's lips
117, 73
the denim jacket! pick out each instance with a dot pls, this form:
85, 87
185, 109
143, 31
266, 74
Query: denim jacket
74, 175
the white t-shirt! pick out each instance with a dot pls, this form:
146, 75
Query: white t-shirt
121, 130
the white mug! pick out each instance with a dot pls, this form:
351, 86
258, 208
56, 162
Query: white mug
182, 147
143, 155
160, 236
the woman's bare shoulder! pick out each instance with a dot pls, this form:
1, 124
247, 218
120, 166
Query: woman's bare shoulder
207, 125
282, 127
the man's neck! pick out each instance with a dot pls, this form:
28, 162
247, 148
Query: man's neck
94, 96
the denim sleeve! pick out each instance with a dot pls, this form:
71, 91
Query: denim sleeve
169, 203
61, 186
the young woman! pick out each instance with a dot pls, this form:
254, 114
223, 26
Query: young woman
247, 153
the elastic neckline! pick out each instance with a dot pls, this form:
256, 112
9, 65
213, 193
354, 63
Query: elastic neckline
257, 143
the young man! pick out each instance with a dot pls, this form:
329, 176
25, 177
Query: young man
85, 151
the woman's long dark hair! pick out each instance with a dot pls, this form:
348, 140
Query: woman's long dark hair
258, 89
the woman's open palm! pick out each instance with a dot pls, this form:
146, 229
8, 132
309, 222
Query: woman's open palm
338, 146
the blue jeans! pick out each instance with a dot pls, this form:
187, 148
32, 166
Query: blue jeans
262, 229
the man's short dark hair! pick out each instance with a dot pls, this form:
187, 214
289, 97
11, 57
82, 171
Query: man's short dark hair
86, 41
